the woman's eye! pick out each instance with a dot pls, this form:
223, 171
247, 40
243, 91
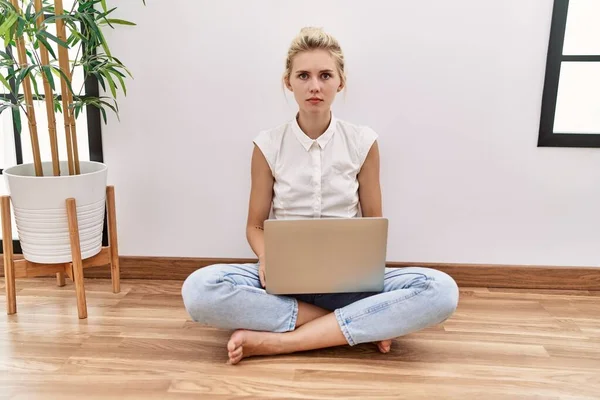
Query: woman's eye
303, 76
326, 75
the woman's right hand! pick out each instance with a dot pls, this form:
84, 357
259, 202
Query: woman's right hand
261, 271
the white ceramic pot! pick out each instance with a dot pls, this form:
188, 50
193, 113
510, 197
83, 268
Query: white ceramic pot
39, 204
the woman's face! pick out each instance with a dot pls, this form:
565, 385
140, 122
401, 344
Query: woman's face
314, 80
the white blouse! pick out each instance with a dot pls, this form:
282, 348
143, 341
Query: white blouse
316, 178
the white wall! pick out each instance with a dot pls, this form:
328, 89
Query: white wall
452, 87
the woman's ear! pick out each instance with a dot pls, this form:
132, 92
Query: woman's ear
286, 81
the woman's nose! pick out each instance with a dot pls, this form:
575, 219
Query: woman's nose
314, 85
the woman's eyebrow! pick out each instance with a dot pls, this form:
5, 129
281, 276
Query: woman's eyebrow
306, 72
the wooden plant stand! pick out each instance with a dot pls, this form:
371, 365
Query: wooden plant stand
109, 255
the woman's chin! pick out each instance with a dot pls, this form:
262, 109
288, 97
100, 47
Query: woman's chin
316, 110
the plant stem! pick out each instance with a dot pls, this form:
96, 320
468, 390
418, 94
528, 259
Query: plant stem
37, 57
75, 60
20, 44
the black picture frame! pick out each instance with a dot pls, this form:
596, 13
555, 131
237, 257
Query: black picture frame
547, 137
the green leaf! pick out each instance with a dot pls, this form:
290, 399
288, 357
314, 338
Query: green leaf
37, 15
53, 38
30, 55
103, 2
17, 120
47, 46
92, 25
8, 23
115, 108
100, 80
120, 22
63, 76
23, 73
85, 6
104, 14
5, 82
103, 114
20, 27
5, 106
67, 17
121, 65
35, 87
122, 81
11, 75
116, 72
57, 105
7, 5
74, 38
28, 10
111, 83
48, 73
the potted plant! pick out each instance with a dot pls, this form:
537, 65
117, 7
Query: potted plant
37, 36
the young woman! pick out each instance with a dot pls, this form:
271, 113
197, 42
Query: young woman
314, 166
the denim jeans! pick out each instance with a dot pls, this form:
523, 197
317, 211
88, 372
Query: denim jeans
230, 296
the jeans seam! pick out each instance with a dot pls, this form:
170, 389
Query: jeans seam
402, 273
381, 306
238, 274
343, 326
294, 316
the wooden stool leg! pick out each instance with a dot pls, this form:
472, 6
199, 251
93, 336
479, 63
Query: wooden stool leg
115, 271
60, 279
76, 254
7, 251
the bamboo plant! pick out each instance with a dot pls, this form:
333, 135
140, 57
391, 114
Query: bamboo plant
29, 54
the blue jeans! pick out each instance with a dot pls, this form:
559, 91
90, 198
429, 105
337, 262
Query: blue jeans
231, 297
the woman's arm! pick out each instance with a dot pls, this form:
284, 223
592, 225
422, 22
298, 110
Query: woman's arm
369, 189
261, 195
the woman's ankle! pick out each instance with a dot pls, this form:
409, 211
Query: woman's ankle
308, 312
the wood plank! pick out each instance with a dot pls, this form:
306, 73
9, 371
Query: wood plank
8, 255
113, 238
76, 257
102, 259
28, 269
500, 344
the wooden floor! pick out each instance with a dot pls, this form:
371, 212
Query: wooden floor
500, 344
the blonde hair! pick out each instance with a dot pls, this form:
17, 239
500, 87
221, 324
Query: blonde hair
311, 38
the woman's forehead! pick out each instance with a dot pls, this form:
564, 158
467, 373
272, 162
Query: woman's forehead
314, 60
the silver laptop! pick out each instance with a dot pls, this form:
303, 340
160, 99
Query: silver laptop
325, 255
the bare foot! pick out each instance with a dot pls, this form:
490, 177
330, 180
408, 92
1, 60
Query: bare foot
244, 343
384, 346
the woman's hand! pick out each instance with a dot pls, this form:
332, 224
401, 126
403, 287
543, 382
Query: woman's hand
261, 271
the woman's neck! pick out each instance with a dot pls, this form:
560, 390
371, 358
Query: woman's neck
314, 125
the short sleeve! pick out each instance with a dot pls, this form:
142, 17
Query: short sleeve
264, 142
366, 139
